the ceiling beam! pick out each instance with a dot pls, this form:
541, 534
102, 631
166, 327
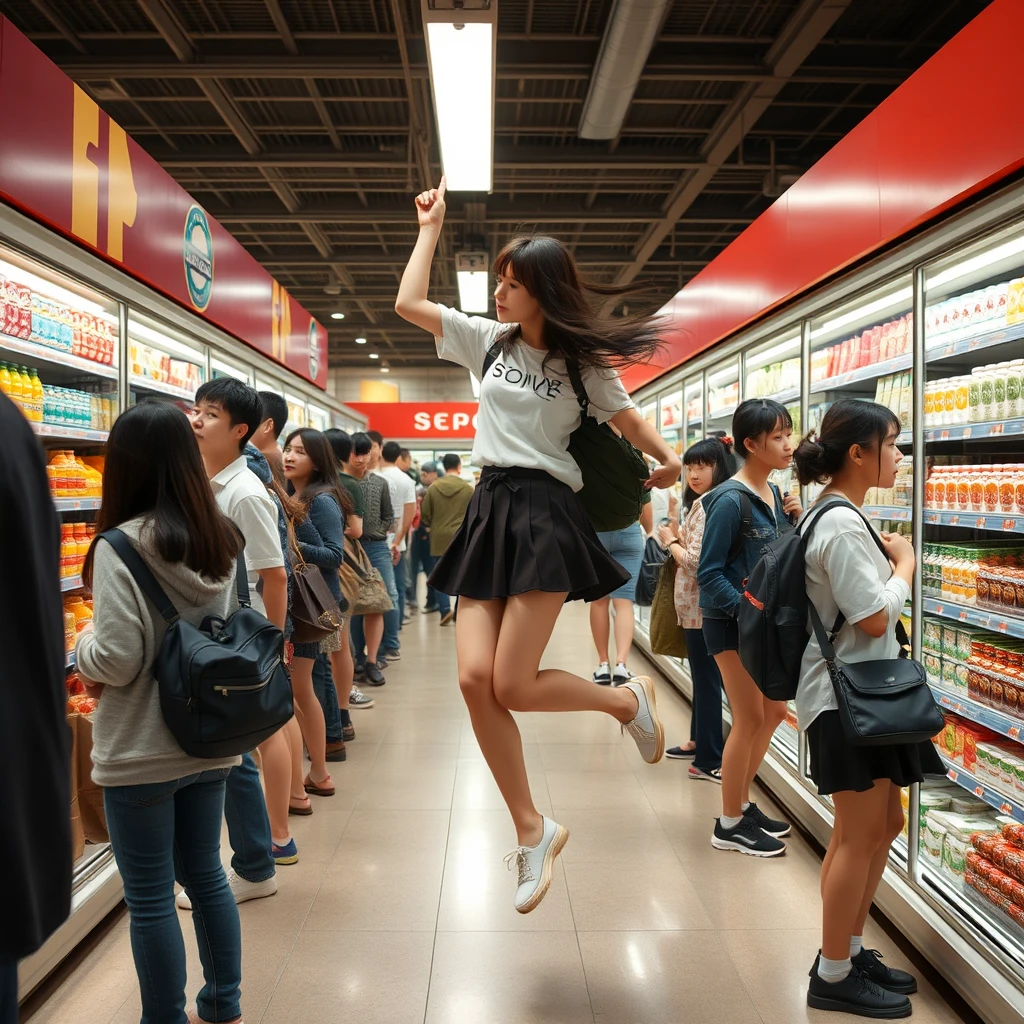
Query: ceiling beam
170, 31
45, 8
283, 29
376, 259
806, 27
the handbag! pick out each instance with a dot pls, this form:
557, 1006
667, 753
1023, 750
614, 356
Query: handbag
654, 558
666, 634
880, 702
315, 613
367, 584
223, 685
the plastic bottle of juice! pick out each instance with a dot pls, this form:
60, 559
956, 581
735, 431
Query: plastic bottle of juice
977, 503
66, 542
991, 492
82, 542
37, 396
5, 380
26, 391
1006, 490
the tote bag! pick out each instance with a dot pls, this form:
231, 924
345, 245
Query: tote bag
366, 584
666, 634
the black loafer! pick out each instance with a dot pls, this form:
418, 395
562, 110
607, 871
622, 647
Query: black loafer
869, 962
856, 994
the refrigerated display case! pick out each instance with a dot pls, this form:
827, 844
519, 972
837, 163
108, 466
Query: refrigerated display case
935, 331
79, 342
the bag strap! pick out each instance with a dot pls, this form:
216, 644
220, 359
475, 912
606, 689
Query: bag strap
142, 574
576, 379
746, 523
492, 354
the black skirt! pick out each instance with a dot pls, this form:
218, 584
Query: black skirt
524, 530
839, 766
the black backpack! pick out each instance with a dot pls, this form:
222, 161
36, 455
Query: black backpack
614, 472
223, 686
773, 614
650, 569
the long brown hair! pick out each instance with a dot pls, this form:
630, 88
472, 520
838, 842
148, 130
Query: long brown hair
575, 329
324, 479
153, 468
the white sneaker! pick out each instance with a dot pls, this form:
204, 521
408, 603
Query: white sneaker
536, 865
646, 729
358, 699
243, 890
621, 675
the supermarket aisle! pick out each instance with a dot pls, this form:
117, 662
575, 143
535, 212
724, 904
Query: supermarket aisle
400, 910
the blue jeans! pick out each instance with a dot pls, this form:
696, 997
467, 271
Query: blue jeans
8, 992
399, 570
419, 561
245, 810
323, 687
706, 720
159, 833
380, 558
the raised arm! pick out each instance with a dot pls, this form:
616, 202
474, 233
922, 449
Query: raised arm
412, 303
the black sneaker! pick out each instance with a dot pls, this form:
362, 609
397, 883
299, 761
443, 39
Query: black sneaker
359, 672
374, 676
869, 962
747, 838
382, 662
681, 753
772, 826
603, 674
856, 994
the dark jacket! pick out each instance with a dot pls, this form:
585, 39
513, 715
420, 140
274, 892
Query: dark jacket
321, 539
721, 580
443, 510
35, 741
258, 464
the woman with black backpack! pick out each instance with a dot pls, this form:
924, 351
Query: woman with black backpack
163, 807
526, 544
868, 581
743, 516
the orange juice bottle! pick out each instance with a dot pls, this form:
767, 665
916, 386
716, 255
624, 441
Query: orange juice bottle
82, 547
1006, 490
963, 489
37, 397
66, 542
977, 503
991, 492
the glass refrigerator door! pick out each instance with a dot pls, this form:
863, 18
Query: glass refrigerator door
693, 396
319, 418
671, 419
163, 362
971, 843
723, 395
220, 367
296, 413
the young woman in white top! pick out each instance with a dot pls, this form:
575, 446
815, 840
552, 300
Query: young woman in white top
850, 571
526, 544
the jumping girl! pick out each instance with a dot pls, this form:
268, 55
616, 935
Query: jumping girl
526, 545
850, 571
763, 432
708, 463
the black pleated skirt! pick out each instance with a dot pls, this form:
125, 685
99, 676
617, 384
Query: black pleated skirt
838, 766
524, 530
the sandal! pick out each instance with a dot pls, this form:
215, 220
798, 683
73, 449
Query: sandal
325, 788
303, 809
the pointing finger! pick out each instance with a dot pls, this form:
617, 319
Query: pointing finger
443, 187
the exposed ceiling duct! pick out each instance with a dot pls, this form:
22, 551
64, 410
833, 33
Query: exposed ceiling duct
632, 28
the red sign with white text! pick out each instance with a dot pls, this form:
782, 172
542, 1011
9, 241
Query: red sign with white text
410, 420
64, 161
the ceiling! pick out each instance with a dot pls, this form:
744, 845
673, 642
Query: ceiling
305, 126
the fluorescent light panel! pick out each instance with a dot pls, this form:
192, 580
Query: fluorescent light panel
862, 313
980, 262
462, 76
730, 373
162, 341
775, 353
474, 290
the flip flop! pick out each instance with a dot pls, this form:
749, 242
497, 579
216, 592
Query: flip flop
302, 810
325, 788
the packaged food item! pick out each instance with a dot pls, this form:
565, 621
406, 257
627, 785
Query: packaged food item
933, 837
1014, 835
968, 806
954, 857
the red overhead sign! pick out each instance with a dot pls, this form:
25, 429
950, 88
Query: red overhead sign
64, 161
410, 420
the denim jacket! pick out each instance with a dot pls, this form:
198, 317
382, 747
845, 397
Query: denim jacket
721, 581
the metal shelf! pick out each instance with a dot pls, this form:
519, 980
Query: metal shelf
975, 431
71, 583
40, 353
160, 388
991, 796
995, 521
782, 397
69, 659
997, 721
966, 342
900, 513
76, 504
64, 433
863, 373
994, 620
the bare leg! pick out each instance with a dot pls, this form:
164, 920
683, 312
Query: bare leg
343, 669
276, 759
774, 713
373, 630
862, 834
893, 827
747, 704
311, 717
623, 628
293, 734
600, 627
476, 638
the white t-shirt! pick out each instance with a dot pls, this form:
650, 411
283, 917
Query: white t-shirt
243, 498
846, 571
526, 412
402, 489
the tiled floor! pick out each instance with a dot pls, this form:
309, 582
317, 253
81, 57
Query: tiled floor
400, 910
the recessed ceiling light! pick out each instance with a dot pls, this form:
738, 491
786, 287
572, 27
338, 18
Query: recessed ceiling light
373, 355
337, 316
360, 341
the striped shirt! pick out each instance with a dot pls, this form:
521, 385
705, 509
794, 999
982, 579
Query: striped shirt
378, 514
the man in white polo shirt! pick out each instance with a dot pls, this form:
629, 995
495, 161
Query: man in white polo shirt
403, 501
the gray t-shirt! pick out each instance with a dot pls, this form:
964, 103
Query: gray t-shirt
527, 410
846, 571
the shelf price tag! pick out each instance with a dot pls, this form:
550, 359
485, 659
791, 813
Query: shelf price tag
979, 791
1009, 524
954, 520
953, 775
1002, 627
962, 616
980, 522
943, 435
1006, 808
1013, 732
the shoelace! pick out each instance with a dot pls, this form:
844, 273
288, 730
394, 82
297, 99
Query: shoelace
522, 861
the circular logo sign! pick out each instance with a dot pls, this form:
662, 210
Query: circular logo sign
197, 251
314, 350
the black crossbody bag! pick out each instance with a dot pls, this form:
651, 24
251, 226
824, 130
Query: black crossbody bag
880, 702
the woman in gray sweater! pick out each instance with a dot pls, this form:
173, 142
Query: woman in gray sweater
163, 807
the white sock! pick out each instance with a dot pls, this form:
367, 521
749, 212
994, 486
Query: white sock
730, 822
833, 971
745, 807
603, 667
856, 944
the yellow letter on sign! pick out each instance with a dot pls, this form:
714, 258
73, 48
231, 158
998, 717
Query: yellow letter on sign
85, 175
122, 199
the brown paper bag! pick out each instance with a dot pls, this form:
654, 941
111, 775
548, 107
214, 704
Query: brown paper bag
90, 796
77, 835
